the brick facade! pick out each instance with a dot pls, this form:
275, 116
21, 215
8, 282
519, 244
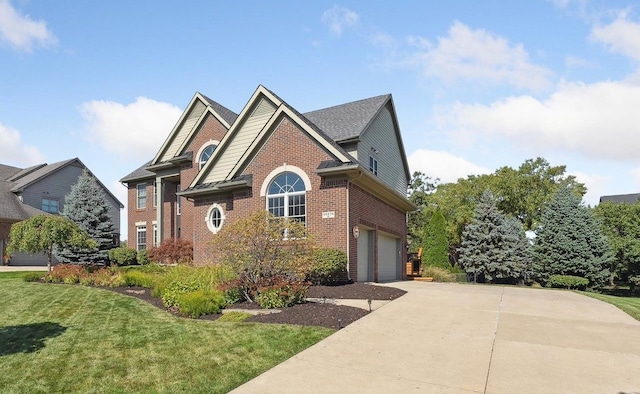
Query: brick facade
334, 205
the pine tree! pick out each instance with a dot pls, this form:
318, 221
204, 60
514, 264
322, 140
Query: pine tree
436, 246
494, 247
570, 241
86, 205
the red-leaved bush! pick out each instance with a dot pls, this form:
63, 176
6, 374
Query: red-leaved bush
172, 251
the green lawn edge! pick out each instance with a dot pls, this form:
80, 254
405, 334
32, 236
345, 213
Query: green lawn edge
629, 305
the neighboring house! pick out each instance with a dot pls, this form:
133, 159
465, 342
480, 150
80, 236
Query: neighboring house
622, 198
38, 189
341, 170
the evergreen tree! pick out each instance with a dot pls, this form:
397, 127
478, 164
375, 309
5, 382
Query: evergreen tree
436, 246
86, 205
494, 247
570, 241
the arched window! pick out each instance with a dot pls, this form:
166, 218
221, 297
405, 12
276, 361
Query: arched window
286, 197
205, 154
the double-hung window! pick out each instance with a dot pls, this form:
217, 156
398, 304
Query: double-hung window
141, 195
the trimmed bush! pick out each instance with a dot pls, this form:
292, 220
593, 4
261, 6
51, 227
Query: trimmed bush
567, 282
438, 274
143, 258
123, 256
200, 302
329, 267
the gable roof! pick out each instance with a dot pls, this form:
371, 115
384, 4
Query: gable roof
189, 122
622, 198
347, 121
271, 109
35, 173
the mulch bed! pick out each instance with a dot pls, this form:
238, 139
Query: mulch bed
308, 314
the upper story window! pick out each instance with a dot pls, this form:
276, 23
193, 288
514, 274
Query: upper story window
373, 165
141, 195
50, 205
155, 194
206, 154
286, 197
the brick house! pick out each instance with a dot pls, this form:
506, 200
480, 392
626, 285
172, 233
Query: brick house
341, 170
39, 189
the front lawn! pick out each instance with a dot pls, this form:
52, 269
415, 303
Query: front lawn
69, 338
630, 305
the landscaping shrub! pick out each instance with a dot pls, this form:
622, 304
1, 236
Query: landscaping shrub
143, 258
460, 277
262, 247
123, 256
329, 267
232, 292
174, 289
281, 294
66, 273
568, 282
139, 278
199, 302
438, 274
172, 251
33, 276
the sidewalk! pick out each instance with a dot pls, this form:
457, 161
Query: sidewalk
13, 268
452, 338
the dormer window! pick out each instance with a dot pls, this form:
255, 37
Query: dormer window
205, 154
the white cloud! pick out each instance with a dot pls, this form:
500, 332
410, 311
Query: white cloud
14, 152
478, 55
133, 131
622, 36
338, 18
596, 186
443, 165
597, 120
20, 31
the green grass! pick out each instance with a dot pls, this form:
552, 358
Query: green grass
69, 338
630, 305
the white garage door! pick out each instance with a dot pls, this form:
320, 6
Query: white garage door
387, 258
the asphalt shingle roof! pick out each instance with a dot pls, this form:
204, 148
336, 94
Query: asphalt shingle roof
21, 183
347, 121
228, 115
139, 173
620, 198
12, 209
8, 172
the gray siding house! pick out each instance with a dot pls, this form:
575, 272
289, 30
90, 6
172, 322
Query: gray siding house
25, 192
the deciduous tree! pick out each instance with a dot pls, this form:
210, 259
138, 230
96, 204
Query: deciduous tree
436, 246
45, 233
621, 224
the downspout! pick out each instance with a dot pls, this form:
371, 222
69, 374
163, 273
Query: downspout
349, 227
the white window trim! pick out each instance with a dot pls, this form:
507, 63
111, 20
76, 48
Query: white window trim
285, 168
139, 229
202, 148
138, 196
208, 221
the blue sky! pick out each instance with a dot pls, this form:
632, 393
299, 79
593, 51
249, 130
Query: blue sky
476, 85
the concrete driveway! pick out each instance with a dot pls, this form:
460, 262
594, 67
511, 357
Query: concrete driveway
454, 338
